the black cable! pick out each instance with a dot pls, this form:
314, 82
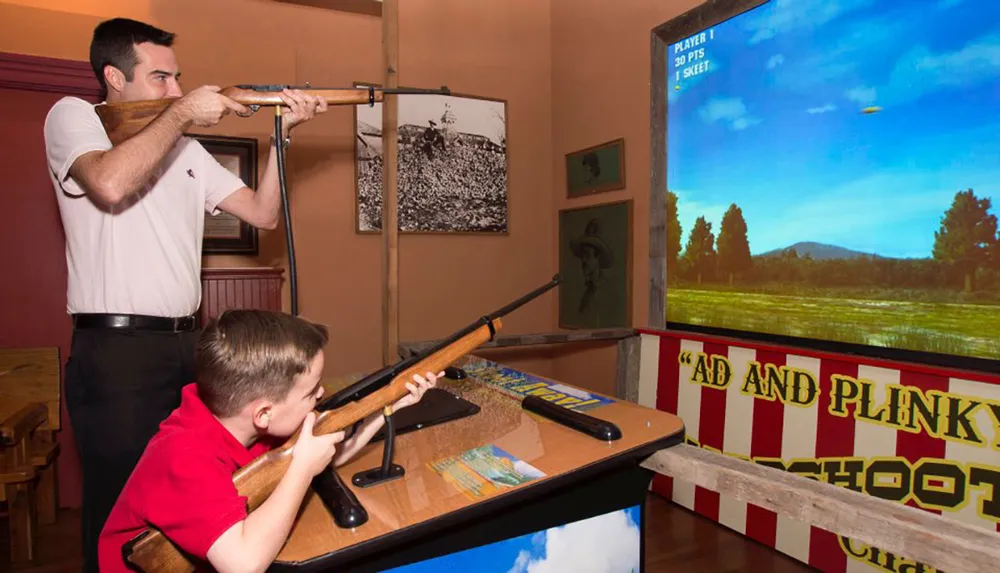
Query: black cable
279, 144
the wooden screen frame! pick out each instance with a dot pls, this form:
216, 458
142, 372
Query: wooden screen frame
710, 13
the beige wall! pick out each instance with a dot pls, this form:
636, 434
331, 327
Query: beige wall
573, 73
494, 48
600, 92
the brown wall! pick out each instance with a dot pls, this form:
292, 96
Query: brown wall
600, 92
573, 73
494, 48
497, 48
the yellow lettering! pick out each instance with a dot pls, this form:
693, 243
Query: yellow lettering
805, 388
929, 413
712, 371
845, 391
959, 425
864, 410
989, 478
752, 383
527, 387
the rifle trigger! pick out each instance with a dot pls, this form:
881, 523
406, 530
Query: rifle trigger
253, 109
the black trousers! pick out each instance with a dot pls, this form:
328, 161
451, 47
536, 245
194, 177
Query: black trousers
120, 385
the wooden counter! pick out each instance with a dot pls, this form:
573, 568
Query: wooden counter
423, 503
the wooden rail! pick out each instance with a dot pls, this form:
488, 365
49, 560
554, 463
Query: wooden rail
905, 531
627, 369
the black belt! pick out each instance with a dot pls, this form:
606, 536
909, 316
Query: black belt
136, 322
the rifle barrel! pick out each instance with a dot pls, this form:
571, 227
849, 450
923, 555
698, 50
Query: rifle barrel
443, 90
526, 298
384, 375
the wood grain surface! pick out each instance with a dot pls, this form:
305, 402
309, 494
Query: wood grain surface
30, 375
423, 495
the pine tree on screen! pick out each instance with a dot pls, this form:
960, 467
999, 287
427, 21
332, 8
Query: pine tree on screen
967, 236
734, 247
699, 255
673, 235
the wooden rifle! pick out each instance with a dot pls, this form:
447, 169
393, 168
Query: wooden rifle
152, 552
122, 120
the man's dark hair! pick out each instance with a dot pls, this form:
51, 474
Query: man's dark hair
114, 45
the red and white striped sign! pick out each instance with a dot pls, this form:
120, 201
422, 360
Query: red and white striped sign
916, 435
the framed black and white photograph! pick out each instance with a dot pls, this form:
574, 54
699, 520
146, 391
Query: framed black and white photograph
224, 233
451, 172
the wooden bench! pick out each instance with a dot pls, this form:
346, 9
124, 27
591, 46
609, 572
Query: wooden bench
29, 418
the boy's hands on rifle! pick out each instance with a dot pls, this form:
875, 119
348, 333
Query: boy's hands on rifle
416, 390
205, 107
374, 422
301, 107
311, 453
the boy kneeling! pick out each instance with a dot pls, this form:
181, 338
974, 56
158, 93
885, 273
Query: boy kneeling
258, 380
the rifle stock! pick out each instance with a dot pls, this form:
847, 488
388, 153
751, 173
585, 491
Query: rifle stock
124, 119
154, 553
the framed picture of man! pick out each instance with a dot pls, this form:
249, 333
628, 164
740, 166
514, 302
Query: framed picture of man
224, 233
595, 263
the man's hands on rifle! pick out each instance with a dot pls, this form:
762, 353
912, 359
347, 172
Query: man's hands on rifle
301, 107
206, 107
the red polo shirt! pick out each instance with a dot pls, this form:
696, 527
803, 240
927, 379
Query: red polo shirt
182, 485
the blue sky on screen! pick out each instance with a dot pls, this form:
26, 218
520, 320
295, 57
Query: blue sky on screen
604, 544
776, 121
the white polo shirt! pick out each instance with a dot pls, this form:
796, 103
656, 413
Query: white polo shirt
144, 256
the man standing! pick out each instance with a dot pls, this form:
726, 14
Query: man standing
133, 216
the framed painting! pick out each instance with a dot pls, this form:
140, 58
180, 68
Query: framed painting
596, 169
451, 169
595, 263
224, 233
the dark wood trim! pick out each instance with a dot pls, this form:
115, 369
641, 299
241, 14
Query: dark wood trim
247, 287
657, 305
240, 272
36, 73
365, 7
709, 13
627, 369
408, 349
705, 15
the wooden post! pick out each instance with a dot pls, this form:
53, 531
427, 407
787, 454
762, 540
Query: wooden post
390, 226
627, 371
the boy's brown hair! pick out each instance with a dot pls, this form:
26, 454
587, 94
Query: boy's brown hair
244, 355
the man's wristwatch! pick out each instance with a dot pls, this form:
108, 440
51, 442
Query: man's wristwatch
285, 143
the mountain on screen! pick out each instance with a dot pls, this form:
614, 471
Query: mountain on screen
819, 251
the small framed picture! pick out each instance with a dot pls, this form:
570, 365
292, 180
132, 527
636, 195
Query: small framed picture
596, 169
224, 233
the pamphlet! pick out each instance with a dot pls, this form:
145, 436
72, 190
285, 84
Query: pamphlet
485, 470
